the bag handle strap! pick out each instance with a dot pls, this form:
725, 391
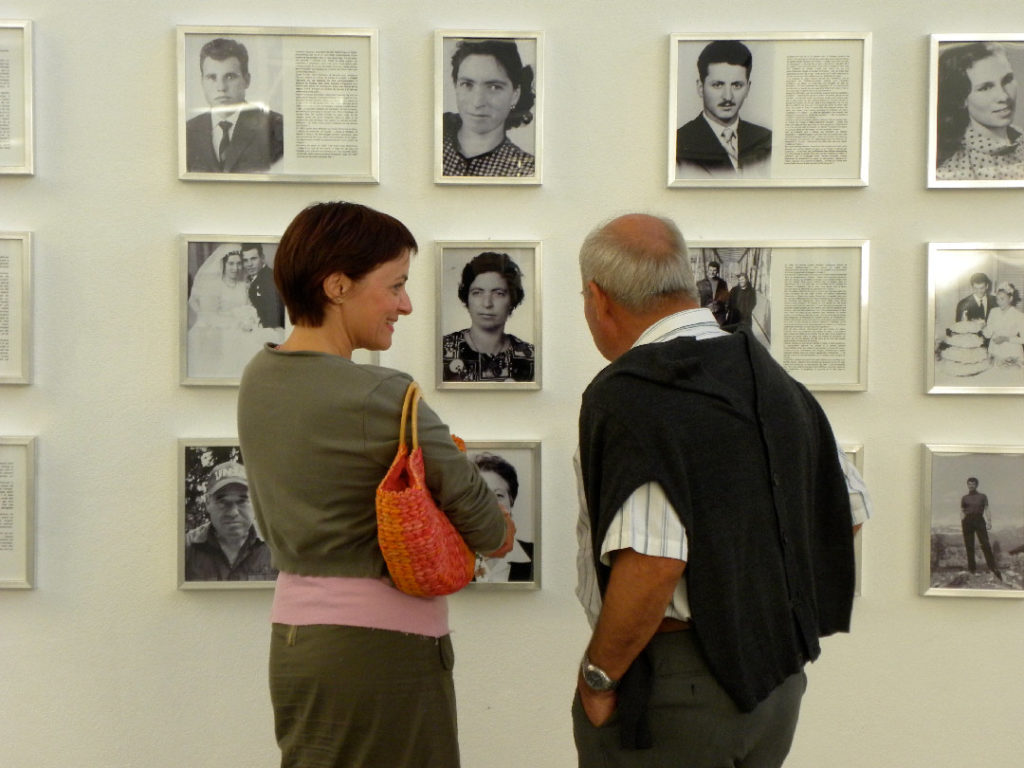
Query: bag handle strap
412, 397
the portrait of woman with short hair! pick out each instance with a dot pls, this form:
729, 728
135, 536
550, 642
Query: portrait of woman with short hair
488, 324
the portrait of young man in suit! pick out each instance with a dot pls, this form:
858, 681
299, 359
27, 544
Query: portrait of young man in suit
233, 135
717, 143
263, 293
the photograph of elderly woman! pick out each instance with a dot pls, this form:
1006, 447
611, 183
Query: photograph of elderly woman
512, 471
488, 319
487, 104
978, 339
977, 124
232, 308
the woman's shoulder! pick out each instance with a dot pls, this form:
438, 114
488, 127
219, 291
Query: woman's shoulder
524, 161
519, 347
956, 167
454, 341
379, 377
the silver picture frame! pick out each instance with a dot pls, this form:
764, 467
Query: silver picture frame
16, 314
803, 104
855, 453
522, 137
512, 469
959, 519
974, 346
224, 317
203, 462
17, 512
514, 326
974, 125
809, 304
312, 99
17, 145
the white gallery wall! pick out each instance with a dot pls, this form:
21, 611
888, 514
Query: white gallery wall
107, 664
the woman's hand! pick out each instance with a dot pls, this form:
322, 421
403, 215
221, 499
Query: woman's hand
510, 536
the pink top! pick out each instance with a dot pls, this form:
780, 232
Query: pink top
374, 603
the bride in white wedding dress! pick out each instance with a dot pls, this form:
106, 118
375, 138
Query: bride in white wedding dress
226, 332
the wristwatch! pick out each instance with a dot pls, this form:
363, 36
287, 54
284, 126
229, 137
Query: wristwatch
595, 677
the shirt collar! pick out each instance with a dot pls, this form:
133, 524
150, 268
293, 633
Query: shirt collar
981, 138
717, 128
696, 323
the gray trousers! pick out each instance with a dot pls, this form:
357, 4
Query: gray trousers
693, 721
350, 697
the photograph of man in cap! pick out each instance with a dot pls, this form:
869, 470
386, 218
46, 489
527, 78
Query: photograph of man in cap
227, 546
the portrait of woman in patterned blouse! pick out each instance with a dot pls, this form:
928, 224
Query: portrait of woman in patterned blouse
490, 288
493, 93
977, 99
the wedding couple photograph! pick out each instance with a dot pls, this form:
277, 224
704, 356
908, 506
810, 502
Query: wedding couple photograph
232, 307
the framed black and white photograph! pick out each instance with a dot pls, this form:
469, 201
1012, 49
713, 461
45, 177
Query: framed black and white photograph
805, 300
230, 306
219, 546
973, 521
779, 110
15, 307
278, 104
16, 98
974, 118
488, 315
512, 470
17, 512
854, 453
975, 322
488, 113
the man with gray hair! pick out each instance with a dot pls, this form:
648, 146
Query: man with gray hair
715, 523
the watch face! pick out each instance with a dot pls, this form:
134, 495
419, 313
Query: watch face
596, 678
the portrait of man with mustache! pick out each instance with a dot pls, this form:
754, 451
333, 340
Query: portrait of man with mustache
717, 143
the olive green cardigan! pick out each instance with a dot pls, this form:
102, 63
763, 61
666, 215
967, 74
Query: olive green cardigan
317, 433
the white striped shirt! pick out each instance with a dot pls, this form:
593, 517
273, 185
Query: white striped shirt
647, 522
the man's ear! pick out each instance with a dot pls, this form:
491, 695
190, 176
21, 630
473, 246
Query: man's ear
600, 300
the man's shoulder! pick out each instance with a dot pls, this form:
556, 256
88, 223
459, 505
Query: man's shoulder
260, 116
696, 132
198, 535
754, 138
643, 367
697, 125
199, 122
754, 130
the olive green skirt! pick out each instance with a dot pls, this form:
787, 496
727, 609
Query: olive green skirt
362, 698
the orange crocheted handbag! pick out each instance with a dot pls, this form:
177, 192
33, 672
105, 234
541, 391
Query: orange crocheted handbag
425, 555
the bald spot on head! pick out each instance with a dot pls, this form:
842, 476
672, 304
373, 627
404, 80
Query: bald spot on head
640, 231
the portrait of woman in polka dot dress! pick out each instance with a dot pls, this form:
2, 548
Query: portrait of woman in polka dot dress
977, 101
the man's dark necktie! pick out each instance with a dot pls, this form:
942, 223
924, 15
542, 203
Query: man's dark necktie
225, 139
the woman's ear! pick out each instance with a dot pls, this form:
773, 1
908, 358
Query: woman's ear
336, 287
